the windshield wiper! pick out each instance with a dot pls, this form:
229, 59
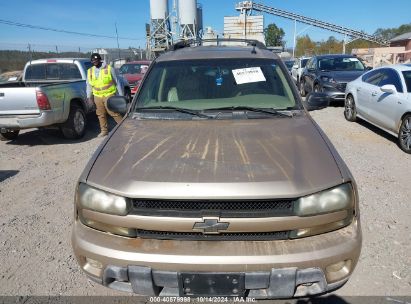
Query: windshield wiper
261, 110
182, 110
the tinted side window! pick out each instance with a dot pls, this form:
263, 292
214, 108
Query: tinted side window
366, 76
373, 77
391, 77
407, 78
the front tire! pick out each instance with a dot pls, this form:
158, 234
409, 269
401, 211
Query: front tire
404, 134
317, 88
302, 88
9, 135
127, 95
75, 126
350, 111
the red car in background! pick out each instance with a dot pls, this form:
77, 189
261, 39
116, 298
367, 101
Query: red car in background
134, 72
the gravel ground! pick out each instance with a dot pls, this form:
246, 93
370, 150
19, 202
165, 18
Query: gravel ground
39, 170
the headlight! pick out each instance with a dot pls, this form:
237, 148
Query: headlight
328, 79
338, 198
101, 201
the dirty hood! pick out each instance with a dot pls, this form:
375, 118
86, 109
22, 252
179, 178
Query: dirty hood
255, 158
343, 76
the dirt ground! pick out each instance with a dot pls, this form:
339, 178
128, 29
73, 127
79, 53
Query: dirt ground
39, 170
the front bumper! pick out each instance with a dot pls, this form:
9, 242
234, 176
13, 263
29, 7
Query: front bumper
272, 269
334, 93
275, 283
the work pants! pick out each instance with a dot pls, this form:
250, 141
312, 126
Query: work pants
101, 111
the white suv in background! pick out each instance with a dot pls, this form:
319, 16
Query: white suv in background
298, 68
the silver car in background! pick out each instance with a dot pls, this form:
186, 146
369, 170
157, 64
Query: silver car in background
382, 97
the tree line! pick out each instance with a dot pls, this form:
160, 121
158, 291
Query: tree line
15, 60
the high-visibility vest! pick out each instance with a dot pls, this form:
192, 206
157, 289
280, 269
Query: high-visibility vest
103, 85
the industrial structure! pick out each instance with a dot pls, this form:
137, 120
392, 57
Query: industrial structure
244, 26
398, 52
248, 6
183, 22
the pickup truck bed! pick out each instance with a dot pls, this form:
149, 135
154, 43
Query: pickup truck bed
34, 105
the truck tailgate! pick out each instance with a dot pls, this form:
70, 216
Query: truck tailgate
18, 101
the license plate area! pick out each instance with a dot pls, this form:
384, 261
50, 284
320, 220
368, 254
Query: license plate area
212, 284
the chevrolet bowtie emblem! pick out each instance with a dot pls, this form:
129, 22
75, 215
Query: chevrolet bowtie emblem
210, 226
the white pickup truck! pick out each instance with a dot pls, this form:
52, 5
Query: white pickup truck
52, 93
297, 69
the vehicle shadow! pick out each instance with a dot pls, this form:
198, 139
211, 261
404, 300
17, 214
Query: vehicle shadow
39, 137
333, 299
378, 131
5, 174
336, 103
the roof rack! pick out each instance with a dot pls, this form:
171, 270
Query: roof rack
196, 42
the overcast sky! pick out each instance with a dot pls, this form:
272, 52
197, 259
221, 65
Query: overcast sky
100, 17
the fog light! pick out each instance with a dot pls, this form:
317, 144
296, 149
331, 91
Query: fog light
338, 271
93, 267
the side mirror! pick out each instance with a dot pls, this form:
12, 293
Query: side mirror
317, 101
389, 88
310, 70
368, 68
117, 104
295, 66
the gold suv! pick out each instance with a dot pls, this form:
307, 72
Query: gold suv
217, 183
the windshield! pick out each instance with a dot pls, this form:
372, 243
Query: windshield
133, 68
289, 63
211, 84
340, 64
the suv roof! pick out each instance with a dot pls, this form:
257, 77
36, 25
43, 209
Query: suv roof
217, 52
138, 62
334, 56
46, 60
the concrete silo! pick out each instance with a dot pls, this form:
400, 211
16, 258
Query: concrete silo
159, 36
158, 9
187, 13
199, 19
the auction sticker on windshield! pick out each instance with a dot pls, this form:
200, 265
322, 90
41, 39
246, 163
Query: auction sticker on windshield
350, 60
248, 75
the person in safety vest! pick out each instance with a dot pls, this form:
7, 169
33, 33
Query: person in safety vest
102, 83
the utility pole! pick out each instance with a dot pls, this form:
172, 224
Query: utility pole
30, 54
118, 45
344, 42
295, 36
57, 50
